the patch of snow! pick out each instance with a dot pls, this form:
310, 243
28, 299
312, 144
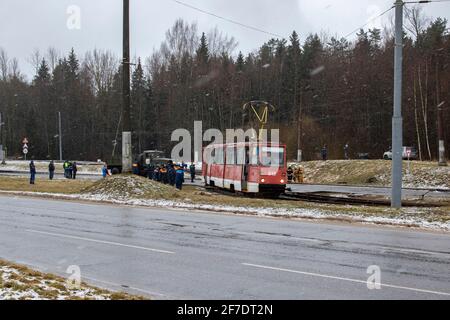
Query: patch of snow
20, 288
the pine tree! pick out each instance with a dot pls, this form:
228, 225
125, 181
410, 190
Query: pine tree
138, 102
73, 64
203, 51
240, 62
43, 75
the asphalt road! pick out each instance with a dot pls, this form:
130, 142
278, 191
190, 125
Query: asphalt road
173, 254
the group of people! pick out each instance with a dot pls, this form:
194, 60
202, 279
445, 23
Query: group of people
324, 152
295, 174
170, 173
70, 169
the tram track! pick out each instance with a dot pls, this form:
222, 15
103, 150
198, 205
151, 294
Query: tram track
331, 198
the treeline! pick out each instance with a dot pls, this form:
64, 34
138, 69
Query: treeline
327, 91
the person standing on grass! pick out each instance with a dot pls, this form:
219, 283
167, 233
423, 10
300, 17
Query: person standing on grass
32, 172
66, 169
70, 168
150, 169
172, 175
179, 178
192, 171
155, 176
346, 148
324, 153
51, 170
105, 172
74, 170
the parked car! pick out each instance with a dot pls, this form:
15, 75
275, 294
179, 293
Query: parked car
363, 156
407, 153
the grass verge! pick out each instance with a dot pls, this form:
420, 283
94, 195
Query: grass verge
64, 186
18, 282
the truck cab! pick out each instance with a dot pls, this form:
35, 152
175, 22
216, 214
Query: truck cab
148, 159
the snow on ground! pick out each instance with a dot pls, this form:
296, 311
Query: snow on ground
416, 174
93, 168
20, 283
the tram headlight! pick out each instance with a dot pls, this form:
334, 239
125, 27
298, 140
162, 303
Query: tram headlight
282, 181
263, 180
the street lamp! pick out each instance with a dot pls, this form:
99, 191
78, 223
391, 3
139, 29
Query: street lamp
1, 139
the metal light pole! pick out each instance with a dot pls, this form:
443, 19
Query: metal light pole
60, 137
397, 120
1, 139
126, 131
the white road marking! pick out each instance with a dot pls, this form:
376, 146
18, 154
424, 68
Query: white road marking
99, 241
150, 293
344, 279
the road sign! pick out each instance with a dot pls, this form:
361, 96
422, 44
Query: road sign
25, 151
25, 146
408, 152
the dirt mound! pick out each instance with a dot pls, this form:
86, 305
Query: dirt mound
121, 187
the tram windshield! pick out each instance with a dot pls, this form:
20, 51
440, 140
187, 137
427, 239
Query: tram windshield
271, 156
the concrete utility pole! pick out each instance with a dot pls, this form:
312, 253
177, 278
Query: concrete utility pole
397, 120
126, 132
442, 159
60, 137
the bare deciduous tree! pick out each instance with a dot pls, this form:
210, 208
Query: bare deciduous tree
101, 66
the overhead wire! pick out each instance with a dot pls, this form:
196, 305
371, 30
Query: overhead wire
227, 19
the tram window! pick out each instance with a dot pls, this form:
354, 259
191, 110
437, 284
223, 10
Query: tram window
231, 156
272, 156
218, 156
253, 156
212, 156
240, 155
207, 155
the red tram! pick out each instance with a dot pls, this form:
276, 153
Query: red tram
251, 168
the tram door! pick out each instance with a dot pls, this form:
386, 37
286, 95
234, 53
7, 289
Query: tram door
245, 169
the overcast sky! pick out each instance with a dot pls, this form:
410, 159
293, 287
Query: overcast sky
26, 25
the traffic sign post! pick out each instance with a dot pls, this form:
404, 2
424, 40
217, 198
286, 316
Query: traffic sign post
408, 155
2, 153
25, 147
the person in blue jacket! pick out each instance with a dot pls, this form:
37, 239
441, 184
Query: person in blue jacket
32, 172
156, 175
172, 175
179, 178
105, 172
